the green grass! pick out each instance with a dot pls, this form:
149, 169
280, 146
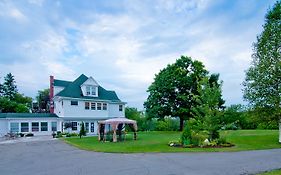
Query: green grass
274, 172
158, 142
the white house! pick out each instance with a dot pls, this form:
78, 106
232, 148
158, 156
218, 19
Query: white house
83, 100
72, 102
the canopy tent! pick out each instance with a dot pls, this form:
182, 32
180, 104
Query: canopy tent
115, 124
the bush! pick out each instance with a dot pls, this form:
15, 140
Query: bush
198, 138
168, 124
186, 135
268, 125
21, 134
29, 135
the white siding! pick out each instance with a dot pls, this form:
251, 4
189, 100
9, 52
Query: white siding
59, 107
80, 111
3, 127
57, 89
114, 110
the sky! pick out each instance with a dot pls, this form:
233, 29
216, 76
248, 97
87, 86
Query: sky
122, 44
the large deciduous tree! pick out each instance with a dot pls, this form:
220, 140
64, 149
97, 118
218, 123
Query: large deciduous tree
174, 89
262, 86
43, 100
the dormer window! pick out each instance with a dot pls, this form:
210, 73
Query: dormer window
90, 90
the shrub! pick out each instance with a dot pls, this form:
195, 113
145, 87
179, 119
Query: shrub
268, 125
186, 136
21, 134
82, 130
198, 138
29, 135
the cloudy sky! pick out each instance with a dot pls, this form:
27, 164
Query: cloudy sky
124, 43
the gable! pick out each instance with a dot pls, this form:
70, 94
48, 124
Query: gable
90, 81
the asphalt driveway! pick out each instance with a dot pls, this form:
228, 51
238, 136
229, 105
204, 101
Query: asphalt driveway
57, 158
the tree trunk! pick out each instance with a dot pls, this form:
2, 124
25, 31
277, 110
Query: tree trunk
181, 124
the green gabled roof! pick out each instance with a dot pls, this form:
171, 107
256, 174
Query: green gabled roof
28, 115
73, 90
61, 83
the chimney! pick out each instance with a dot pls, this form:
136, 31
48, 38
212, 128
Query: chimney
51, 94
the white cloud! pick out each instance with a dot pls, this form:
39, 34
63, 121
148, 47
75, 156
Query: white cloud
7, 9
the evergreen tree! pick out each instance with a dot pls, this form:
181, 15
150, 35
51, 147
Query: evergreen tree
262, 86
9, 87
82, 130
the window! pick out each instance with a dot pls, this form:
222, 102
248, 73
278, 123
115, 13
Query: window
90, 90
87, 126
24, 127
87, 105
35, 126
104, 106
98, 106
92, 127
44, 126
54, 126
14, 127
120, 107
93, 106
74, 103
74, 126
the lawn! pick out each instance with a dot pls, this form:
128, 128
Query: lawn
274, 172
158, 142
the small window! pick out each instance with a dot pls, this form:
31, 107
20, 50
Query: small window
74, 103
54, 126
104, 106
93, 106
87, 105
98, 106
44, 126
24, 127
35, 126
90, 90
14, 127
120, 107
74, 126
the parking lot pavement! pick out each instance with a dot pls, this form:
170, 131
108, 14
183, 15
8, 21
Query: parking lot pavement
26, 139
55, 157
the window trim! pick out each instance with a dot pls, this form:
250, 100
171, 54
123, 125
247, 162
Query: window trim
17, 128
74, 102
74, 128
99, 106
34, 129
120, 108
87, 107
43, 127
104, 106
21, 127
93, 104
91, 90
